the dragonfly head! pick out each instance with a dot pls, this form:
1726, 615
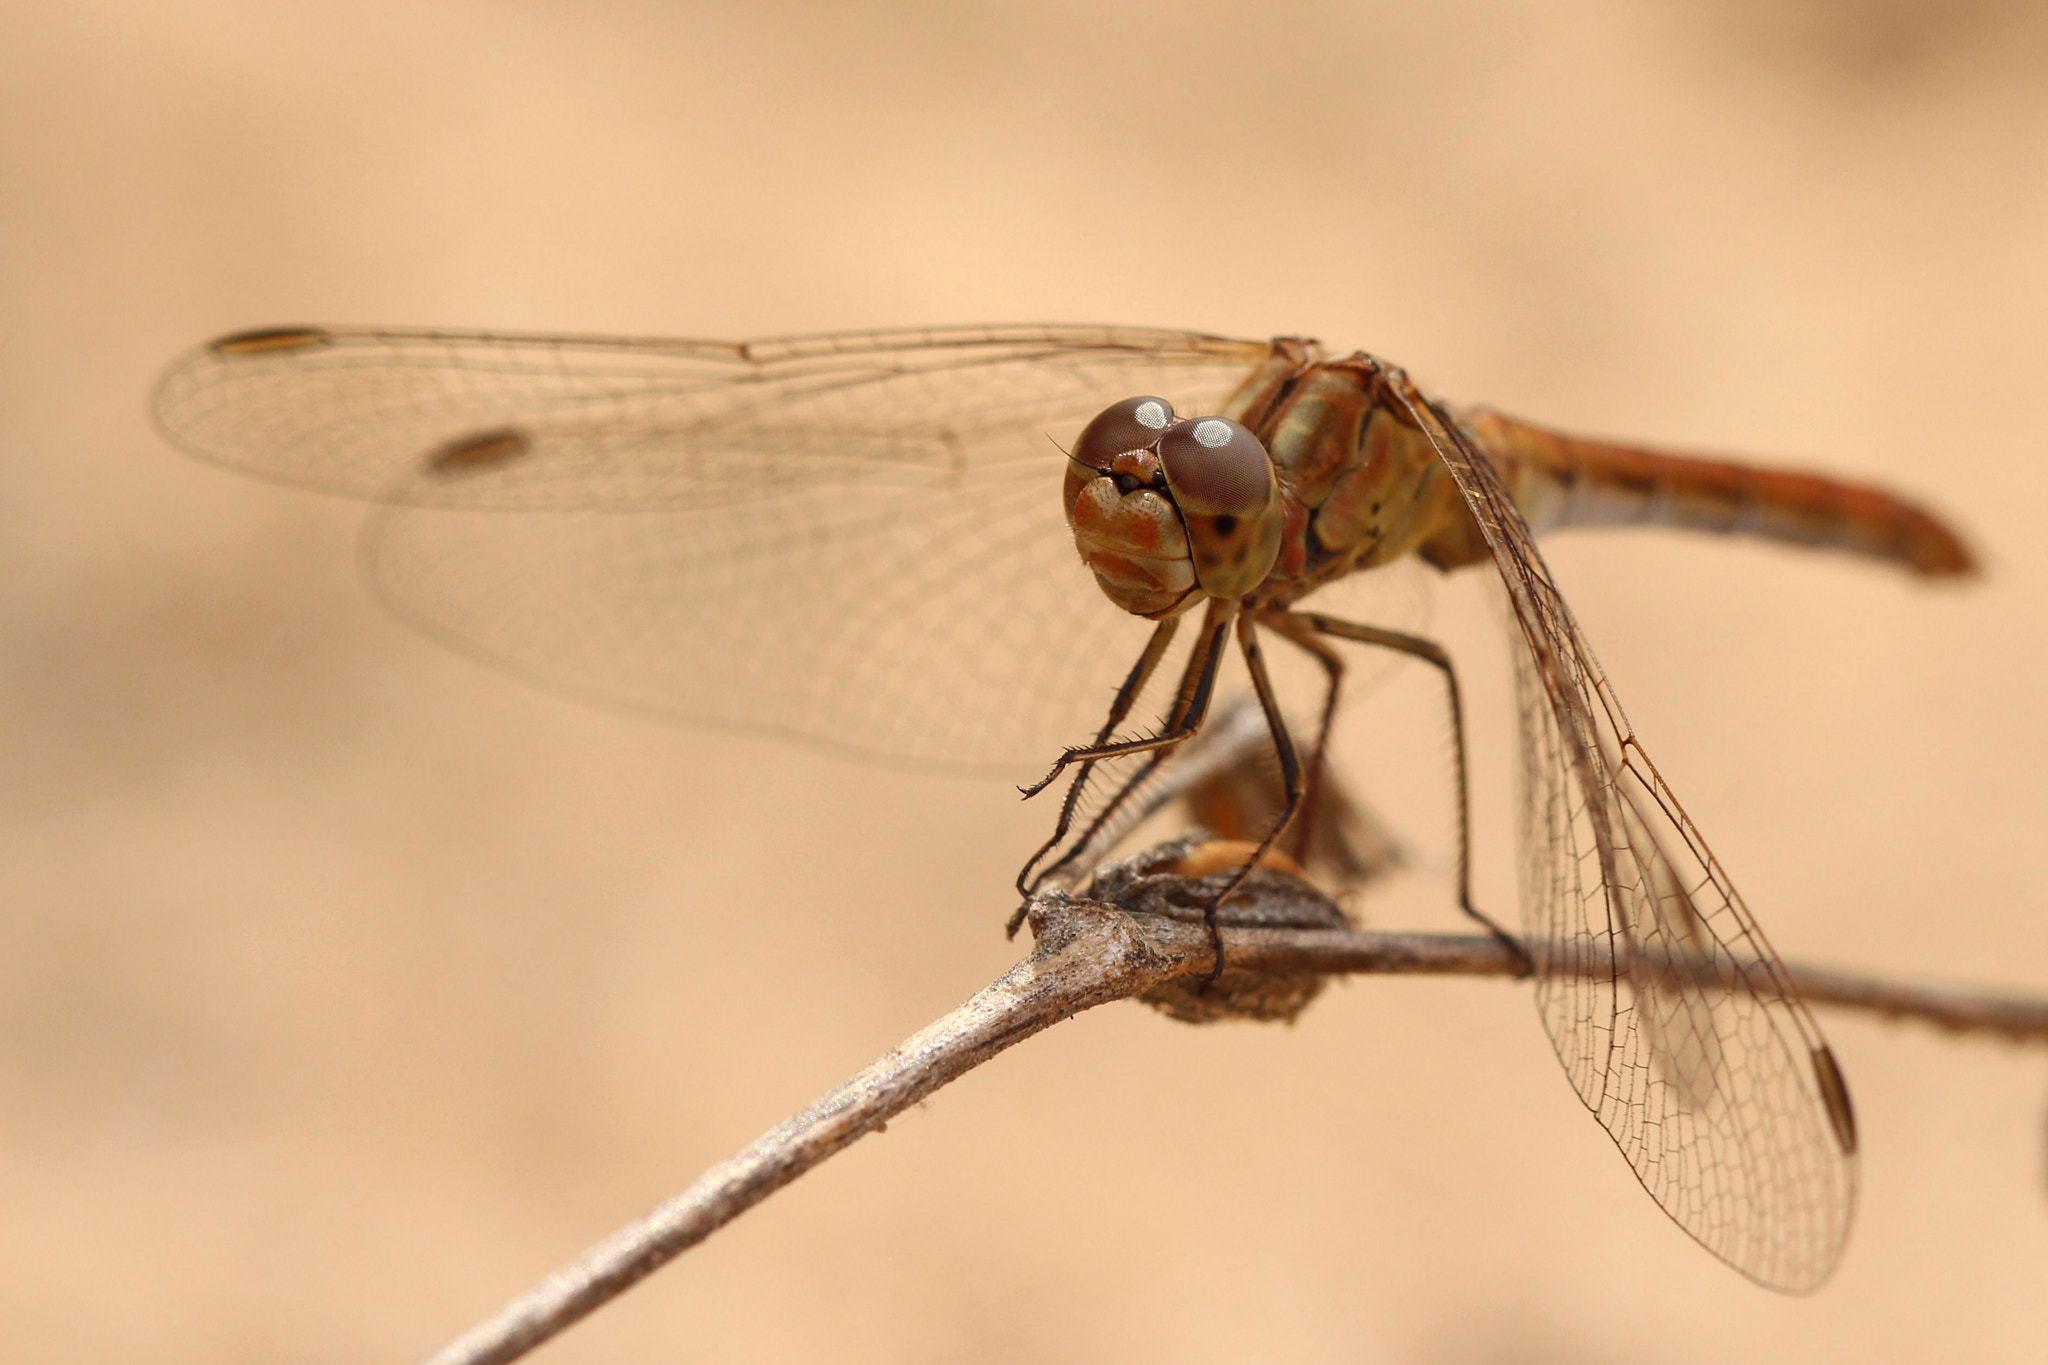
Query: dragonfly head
1165, 509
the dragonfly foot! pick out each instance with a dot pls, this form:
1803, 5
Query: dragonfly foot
1525, 966
1042, 783
1215, 941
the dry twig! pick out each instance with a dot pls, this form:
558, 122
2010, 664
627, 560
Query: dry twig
1282, 943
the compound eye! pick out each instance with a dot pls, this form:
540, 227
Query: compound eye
1134, 424
1216, 467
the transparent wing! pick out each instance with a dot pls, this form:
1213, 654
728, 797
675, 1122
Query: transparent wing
854, 540
1676, 1022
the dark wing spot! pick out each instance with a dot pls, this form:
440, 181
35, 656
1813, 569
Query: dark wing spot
271, 339
484, 450
1834, 1092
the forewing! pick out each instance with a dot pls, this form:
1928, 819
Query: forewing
854, 540
1676, 1022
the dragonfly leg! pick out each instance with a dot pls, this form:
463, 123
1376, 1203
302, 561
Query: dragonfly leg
1110, 808
1126, 697
1290, 780
1290, 627
1191, 706
1433, 653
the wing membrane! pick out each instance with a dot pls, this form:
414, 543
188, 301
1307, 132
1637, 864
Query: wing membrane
852, 539
1674, 1019
629, 423
855, 540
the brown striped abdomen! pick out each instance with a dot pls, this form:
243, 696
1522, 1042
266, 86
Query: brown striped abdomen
1560, 480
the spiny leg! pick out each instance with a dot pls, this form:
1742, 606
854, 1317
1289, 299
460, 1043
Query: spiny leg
1297, 632
1126, 697
1184, 697
1290, 779
1192, 703
1190, 708
1124, 792
1432, 652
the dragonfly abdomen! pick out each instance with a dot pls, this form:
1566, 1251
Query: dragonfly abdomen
1560, 480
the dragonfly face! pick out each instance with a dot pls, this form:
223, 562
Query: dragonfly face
1164, 509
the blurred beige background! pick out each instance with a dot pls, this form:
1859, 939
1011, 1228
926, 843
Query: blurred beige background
347, 986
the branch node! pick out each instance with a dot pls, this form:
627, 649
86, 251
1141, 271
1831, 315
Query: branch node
1162, 894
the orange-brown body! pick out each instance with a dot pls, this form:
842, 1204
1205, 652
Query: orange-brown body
1362, 486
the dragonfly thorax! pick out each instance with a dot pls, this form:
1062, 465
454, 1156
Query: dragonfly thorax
1165, 510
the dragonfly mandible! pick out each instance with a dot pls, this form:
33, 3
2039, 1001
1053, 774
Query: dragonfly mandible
867, 541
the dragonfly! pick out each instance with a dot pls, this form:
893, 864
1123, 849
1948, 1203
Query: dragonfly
933, 547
